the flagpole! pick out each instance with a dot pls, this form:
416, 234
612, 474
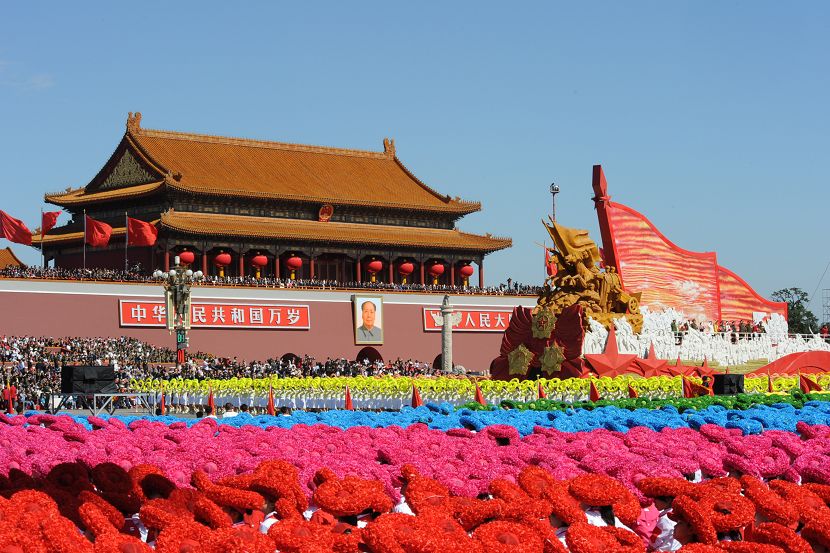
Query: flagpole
84, 239
42, 257
126, 238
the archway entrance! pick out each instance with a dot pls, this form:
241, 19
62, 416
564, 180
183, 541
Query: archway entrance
369, 353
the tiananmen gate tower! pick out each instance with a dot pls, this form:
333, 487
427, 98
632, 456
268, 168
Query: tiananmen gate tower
252, 207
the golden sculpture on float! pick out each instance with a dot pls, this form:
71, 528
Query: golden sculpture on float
579, 280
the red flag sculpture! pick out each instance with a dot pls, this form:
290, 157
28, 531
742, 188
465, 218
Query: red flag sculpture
211, 403
542, 393
632, 392
271, 409
693, 389
479, 396
48, 221
14, 230
770, 389
349, 404
416, 397
807, 385
140, 233
162, 407
97, 233
593, 394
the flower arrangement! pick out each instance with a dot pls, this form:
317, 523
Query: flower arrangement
354, 514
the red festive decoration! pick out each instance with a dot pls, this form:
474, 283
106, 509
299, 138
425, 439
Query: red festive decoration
271, 409
593, 393
14, 230
48, 221
479, 396
405, 269
294, 262
374, 266
611, 362
632, 393
542, 393
416, 397
187, 257
349, 405
807, 385
436, 270
97, 232
222, 259
140, 233
211, 402
259, 261
466, 271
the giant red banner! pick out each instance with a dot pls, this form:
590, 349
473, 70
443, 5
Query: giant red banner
218, 315
468, 320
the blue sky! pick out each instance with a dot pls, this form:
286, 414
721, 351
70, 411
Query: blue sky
710, 117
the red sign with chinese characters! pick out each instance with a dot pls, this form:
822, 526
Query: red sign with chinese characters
468, 320
218, 315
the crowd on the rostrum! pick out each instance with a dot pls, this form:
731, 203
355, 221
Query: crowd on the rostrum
137, 274
32, 365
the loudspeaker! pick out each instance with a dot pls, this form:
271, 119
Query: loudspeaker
728, 384
81, 379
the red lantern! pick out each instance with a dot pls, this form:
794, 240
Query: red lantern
222, 259
259, 261
406, 269
187, 257
294, 262
466, 271
436, 270
374, 266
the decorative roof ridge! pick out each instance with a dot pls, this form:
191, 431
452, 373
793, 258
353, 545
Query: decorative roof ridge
446, 198
254, 143
65, 192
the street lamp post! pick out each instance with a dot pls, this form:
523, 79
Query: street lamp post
554, 190
177, 282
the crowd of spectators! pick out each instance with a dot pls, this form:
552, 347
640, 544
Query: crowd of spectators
719, 327
32, 365
136, 274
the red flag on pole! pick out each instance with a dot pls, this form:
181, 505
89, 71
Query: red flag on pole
479, 396
211, 403
14, 230
542, 393
770, 389
140, 233
271, 409
693, 389
632, 392
48, 221
550, 265
416, 397
97, 232
349, 404
593, 393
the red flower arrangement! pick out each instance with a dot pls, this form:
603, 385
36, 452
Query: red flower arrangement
587, 538
502, 536
776, 534
598, 490
769, 504
540, 484
349, 496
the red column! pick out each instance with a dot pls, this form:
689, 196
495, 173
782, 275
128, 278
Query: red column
423, 278
358, 270
481, 274
452, 273
311, 267
204, 262
277, 266
166, 261
391, 272
241, 264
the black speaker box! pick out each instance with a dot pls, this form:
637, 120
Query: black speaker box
81, 379
728, 384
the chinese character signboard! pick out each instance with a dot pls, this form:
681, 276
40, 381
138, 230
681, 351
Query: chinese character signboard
218, 315
472, 320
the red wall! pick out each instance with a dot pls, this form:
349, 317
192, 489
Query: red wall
331, 335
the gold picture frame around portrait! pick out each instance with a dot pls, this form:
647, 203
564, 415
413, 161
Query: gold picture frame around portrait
367, 319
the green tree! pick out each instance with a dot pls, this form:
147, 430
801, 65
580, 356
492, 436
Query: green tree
800, 319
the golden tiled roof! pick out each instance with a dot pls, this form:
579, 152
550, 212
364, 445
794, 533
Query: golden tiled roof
204, 164
81, 197
8, 259
330, 232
